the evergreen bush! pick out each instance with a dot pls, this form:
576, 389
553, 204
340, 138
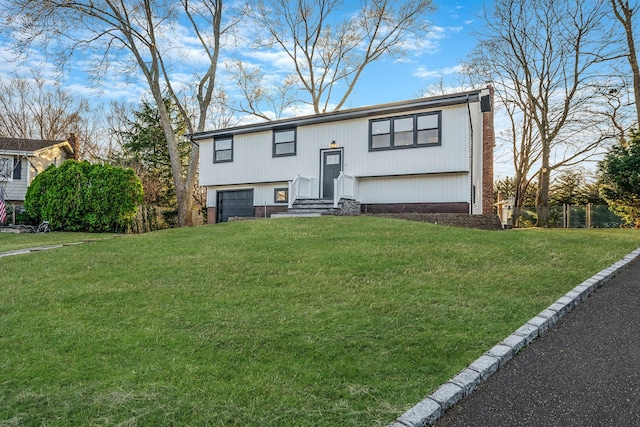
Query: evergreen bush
79, 196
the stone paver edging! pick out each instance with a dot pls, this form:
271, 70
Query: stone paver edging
430, 409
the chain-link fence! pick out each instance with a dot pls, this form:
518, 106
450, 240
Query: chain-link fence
568, 216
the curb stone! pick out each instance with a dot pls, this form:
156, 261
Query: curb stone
447, 395
468, 379
426, 412
502, 352
430, 409
486, 366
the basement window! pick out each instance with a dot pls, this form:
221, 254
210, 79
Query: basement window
281, 195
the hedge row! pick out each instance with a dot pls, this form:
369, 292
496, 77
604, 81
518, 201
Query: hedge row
79, 196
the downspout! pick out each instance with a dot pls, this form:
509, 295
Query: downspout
470, 158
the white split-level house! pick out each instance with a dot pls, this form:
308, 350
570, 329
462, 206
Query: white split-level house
21, 160
424, 155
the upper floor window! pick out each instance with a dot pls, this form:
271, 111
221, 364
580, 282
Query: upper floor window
417, 130
17, 168
223, 150
284, 142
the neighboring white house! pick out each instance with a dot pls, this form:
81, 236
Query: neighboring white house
424, 155
22, 159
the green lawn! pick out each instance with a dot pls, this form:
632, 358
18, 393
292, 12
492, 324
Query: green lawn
307, 322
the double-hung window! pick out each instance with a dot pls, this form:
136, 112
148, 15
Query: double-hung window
284, 142
223, 150
416, 130
428, 129
17, 168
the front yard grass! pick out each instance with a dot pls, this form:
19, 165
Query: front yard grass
306, 322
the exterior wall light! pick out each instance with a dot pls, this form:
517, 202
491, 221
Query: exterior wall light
334, 144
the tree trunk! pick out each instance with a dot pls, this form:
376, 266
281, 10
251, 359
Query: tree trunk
183, 192
542, 199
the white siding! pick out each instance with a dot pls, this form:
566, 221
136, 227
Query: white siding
263, 194
436, 174
396, 189
16, 189
253, 161
414, 189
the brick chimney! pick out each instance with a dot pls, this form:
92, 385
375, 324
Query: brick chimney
73, 140
488, 144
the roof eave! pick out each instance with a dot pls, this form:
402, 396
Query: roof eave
392, 108
16, 153
62, 144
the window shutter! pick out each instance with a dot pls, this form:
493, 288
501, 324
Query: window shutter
17, 168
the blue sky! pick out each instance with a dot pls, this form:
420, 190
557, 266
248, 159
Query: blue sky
450, 40
390, 80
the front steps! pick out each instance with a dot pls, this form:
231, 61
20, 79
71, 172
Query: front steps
308, 208
316, 206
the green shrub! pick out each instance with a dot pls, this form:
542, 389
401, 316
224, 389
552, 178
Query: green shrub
79, 196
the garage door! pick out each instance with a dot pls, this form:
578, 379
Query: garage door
234, 203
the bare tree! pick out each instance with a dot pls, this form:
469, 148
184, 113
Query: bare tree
136, 33
624, 13
328, 48
463, 81
259, 97
32, 108
544, 57
523, 140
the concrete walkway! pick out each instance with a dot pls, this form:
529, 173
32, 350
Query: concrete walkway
46, 248
582, 371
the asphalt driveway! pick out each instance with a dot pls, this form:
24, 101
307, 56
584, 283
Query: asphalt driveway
584, 371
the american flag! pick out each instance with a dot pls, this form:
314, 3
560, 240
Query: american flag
3, 208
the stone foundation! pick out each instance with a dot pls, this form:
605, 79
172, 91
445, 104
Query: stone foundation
349, 207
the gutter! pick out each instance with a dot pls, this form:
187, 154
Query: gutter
392, 108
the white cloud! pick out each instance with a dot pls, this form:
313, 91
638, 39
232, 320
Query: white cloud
424, 73
277, 60
430, 44
14, 64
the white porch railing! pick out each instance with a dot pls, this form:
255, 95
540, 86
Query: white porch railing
344, 187
299, 188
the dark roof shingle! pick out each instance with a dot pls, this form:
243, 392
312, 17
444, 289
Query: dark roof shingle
21, 144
